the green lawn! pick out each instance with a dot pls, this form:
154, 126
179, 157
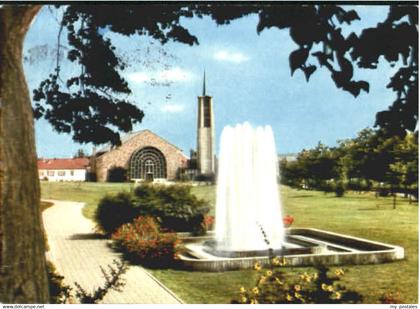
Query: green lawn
360, 215
207, 193
86, 192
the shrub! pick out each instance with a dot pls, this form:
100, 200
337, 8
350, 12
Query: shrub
117, 174
113, 211
211, 178
273, 286
143, 242
182, 175
59, 292
175, 207
113, 281
91, 177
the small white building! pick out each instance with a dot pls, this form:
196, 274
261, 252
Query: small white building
63, 169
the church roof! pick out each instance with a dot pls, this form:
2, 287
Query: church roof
128, 136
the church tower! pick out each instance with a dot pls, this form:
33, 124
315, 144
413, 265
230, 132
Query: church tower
205, 133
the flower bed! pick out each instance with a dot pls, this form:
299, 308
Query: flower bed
143, 242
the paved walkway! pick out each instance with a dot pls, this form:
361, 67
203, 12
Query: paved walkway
78, 254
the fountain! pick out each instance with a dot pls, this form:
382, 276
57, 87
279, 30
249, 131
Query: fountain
247, 192
249, 219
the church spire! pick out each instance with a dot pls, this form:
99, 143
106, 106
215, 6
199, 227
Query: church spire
204, 84
205, 133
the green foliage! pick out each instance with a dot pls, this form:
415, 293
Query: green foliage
292, 174
182, 176
142, 241
59, 292
91, 176
175, 207
275, 286
117, 174
80, 154
405, 166
210, 178
361, 159
357, 184
314, 169
370, 160
327, 186
114, 211
113, 281
374, 157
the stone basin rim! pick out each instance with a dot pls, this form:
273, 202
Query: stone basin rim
381, 254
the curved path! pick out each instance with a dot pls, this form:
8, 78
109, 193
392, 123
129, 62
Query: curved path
78, 254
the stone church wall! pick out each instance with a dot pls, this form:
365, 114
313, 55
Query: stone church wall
121, 155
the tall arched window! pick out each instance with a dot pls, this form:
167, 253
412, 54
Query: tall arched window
147, 163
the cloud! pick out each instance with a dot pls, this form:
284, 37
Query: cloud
172, 108
138, 77
230, 56
175, 74
165, 76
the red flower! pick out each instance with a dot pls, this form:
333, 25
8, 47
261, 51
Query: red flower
208, 222
288, 220
144, 239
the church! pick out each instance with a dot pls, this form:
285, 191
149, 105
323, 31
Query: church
146, 156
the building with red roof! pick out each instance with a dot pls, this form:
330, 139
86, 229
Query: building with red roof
63, 169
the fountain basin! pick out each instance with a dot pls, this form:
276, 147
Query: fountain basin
291, 246
304, 247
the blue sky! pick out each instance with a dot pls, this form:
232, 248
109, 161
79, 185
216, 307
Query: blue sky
248, 76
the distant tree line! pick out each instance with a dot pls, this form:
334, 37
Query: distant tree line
371, 161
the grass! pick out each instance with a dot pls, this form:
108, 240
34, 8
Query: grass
207, 193
205, 287
355, 214
86, 192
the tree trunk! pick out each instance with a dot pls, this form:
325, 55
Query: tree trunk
394, 198
22, 249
